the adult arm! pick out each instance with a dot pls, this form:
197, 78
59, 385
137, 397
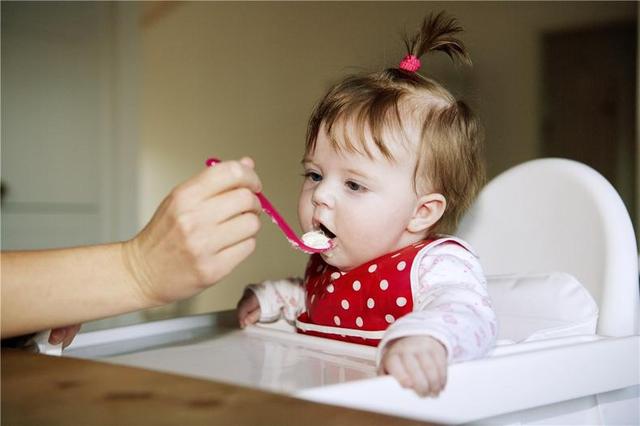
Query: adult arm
199, 233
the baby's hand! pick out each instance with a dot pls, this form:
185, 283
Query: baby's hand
418, 362
248, 309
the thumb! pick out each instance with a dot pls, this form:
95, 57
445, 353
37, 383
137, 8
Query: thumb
248, 161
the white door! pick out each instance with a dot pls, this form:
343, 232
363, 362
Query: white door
60, 137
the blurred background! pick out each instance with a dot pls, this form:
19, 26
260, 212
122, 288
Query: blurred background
107, 106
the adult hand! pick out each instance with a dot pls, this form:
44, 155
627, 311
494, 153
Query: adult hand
200, 232
64, 335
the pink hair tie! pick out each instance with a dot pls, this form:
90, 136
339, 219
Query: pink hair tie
410, 63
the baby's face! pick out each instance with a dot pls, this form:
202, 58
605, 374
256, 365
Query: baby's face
366, 203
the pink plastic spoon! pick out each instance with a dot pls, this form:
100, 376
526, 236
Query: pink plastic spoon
268, 208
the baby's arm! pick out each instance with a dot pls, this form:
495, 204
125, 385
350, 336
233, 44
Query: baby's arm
452, 308
267, 301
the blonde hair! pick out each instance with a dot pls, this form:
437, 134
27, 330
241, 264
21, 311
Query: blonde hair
449, 149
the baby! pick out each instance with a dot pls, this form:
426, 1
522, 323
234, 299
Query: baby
391, 163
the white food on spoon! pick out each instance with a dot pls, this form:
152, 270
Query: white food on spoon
316, 240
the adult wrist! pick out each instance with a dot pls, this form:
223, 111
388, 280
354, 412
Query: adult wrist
138, 274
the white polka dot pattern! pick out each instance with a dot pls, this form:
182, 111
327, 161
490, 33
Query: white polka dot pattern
370, 297
378, 295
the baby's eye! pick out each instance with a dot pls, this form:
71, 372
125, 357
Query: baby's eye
316, 177
354, 186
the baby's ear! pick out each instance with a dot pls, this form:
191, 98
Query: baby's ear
429, 210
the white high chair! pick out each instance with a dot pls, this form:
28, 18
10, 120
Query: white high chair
560, 215
539, 217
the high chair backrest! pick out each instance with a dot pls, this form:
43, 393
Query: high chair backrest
554, 214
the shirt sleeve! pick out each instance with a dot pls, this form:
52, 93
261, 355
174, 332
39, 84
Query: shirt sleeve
278, 298
451, 304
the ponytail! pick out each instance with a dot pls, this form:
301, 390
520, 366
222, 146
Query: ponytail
436, 33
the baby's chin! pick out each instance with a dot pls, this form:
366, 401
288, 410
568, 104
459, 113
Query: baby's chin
338, 260
346, 260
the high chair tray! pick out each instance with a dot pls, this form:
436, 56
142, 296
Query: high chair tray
579, 379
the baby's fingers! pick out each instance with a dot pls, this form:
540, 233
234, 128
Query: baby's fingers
248, 309
393, 365
421, 381
251, 318
434, 372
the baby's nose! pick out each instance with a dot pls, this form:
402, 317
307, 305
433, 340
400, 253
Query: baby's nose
322, 195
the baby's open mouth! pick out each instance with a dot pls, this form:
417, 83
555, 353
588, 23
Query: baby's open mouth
327, 232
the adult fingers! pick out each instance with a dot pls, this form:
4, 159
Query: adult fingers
228, 258
229, 204
210, 238
248, 161
70, 335
64, 335
218, 179
231, 232
57, 335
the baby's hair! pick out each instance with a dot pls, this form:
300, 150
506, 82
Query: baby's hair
438, 33
449, 141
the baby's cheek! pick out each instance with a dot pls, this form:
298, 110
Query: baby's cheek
370, 228
361, 243
305, 212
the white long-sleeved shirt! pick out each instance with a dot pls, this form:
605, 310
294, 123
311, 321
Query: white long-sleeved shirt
450, 300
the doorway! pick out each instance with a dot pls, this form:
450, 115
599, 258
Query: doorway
589, 102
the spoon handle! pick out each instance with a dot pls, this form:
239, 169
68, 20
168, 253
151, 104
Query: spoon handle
276, 218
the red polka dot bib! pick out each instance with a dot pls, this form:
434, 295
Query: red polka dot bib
358, 306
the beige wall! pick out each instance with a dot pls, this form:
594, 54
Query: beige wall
233, 79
